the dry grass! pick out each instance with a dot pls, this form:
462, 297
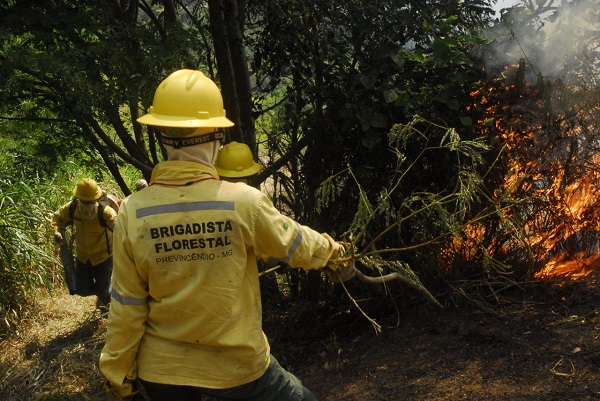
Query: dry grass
54, 355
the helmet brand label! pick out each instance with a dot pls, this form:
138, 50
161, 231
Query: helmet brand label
193, 140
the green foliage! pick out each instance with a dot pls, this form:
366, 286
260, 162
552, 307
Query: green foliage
349, 80
73, 77
355, 75
409, 218
26, 257
31, 150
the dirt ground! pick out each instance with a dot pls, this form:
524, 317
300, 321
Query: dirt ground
538, 344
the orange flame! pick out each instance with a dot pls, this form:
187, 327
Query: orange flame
551, 170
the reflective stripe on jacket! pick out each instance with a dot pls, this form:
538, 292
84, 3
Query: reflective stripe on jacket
90, 236
186, 304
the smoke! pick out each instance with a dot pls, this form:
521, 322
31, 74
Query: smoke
555, 38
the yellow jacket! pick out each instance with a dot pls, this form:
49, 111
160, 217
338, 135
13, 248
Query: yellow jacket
186, 304
90, 236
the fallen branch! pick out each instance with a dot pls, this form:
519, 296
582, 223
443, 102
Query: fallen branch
378, 280
396, 276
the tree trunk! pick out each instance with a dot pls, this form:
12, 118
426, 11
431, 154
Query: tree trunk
225, 70
235, 35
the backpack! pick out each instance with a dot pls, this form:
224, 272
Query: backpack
107, 199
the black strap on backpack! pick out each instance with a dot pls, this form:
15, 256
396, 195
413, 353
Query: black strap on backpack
101, 220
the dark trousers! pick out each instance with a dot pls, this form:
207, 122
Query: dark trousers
276, 384
94, 280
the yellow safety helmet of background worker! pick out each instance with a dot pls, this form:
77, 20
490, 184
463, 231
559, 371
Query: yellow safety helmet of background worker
187, 104
235, 160
87, 190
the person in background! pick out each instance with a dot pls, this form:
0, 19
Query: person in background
186, 316
140, 184
235, 163
93, 239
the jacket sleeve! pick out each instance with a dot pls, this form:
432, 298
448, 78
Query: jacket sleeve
283, 238
110, 217
61, 216
127, 317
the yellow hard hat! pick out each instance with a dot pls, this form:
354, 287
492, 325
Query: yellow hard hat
235, 160
87, 190
187, 99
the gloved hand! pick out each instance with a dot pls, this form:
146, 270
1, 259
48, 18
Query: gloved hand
339, 272
343, 272
136, 395
58, 238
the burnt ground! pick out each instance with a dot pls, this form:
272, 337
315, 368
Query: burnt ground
541, 343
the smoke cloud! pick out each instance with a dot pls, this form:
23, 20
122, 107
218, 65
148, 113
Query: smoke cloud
555, 38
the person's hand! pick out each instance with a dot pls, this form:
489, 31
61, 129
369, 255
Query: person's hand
342, 269
58, 238
137, 395
344, 272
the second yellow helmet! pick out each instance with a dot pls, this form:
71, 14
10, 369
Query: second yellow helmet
235, 160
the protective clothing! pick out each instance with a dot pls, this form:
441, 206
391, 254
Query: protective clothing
205, 153
235, 160
87, 190
187, 99
186, 306
90, 236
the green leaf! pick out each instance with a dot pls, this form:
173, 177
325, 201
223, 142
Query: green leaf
418, 56
453, 104
379, 120
368, 81
466, 121
449, 24
449, 41
390, 95
399, 58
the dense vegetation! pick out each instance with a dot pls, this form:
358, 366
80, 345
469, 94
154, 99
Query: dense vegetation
382, 128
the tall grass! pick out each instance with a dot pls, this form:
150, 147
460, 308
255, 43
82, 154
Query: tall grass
28, 256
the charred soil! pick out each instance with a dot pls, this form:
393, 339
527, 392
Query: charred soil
539, 344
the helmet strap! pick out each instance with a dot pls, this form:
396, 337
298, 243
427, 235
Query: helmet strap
177, 142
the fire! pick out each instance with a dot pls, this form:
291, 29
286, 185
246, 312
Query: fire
551, 157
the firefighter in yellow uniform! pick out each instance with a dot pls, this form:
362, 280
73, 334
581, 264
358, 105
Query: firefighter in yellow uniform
185, 318
93, 240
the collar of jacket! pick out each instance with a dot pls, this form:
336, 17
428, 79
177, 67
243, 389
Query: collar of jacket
179, 172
